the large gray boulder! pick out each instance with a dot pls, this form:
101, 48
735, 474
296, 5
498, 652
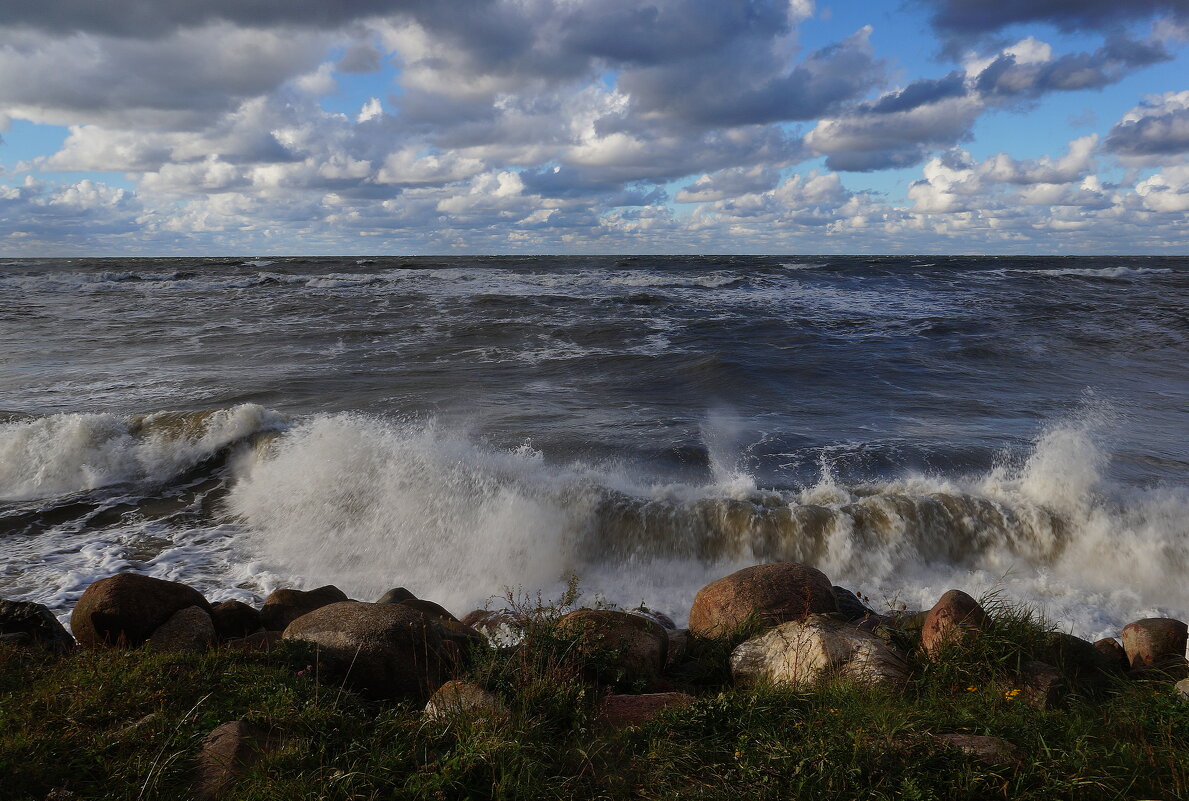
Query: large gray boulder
803, 652
126, 608
385, 650
770, 594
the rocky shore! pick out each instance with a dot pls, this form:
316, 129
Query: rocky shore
770, 628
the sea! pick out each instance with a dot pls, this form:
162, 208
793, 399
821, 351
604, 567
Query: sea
479, 428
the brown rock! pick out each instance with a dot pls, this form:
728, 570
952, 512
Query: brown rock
284, 606
1112, 653
1181, 689
126, 608
678, 647
386, 650
1041, 685
994, 751
623, 711
234, 619
263, 641
461, 698
395, 596
189, 629
614, 642
772, 594
226, 755
660, 618
1084, 665
428, 608
1154, 640
37, 623
950, 620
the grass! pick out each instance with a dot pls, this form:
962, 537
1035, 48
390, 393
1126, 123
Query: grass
127, 725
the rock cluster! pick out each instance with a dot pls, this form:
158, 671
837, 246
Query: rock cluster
782, 623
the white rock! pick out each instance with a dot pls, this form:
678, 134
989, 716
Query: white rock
804, 651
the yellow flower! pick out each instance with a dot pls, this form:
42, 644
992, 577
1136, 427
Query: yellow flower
972, 689
1011, 694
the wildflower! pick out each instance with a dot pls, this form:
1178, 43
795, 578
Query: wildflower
972, 689
1011, 694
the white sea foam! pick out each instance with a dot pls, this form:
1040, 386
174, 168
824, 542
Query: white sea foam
368, 504
64, 453
1103, 272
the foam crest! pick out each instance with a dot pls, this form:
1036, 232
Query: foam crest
64, 453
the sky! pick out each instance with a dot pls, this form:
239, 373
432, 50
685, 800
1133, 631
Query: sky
209, 127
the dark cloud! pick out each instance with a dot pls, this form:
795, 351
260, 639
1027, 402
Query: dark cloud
1162, 129
359, 57
1007, 77
920, 93
975, 17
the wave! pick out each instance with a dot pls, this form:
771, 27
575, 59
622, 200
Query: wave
368, 504
45, 457
1103, 272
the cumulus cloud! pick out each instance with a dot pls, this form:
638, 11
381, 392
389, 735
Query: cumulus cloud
1157, 127
966, 17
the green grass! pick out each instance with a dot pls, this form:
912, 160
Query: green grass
64, 722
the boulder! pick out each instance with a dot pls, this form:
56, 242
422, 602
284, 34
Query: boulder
954, 617
234, 619
1078, 660
284, 606
1113, 654
501, 627
189, 629
849, 605
395, 596
624, 711
802, 652
126, 608
1154, 640
37, 623
617, 642
1041, 685
660, 618
462, 698
226, 755
386, 650
260, 641
428, 608
678, 647
770, 594
994, 751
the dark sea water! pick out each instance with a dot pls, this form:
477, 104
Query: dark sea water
464, 425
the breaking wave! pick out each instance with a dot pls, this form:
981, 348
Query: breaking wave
44, 457
368, 504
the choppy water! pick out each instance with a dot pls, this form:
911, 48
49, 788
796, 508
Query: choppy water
462, 425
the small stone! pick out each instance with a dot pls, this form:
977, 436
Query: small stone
954, 617
461, 698
226, 755
284, 606
190, 629
849, 605
1153, 640
624, 711
660, 618
1181, 688
994, 751
262, 641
